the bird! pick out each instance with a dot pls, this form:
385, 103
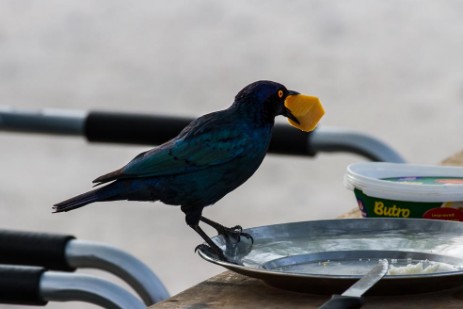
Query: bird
209, 158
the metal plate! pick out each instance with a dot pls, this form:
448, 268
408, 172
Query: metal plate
295, 256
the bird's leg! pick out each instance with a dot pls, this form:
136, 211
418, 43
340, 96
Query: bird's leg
233, 233
212, 246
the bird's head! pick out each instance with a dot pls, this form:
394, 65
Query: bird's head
266, 99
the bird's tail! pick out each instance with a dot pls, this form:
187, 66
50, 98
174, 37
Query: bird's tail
106, 193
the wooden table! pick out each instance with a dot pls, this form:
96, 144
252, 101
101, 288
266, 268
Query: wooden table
231, 290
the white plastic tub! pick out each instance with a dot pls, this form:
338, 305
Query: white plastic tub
407, 190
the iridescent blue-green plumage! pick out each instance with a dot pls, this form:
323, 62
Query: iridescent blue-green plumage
212, 156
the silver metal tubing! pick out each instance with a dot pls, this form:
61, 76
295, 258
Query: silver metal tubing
51, 121
332, 139
58, 286
88, 254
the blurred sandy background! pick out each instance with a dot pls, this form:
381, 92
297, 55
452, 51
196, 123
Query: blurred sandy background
389, 68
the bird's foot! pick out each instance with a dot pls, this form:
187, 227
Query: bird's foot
218, 254
231, 234
237, 243
214, 252
212, 249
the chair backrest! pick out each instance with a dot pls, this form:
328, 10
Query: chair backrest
36, 254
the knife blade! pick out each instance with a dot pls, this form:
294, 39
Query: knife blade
352, 297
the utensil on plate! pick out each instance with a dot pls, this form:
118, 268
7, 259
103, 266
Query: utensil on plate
352, 297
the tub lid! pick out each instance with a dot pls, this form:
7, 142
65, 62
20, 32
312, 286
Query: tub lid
369, 177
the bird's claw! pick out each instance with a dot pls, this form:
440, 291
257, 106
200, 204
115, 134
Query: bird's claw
213, 252
235, 246
248, 236
218, 254
236, 228
234, 233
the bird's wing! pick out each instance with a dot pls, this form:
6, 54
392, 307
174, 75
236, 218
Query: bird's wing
186, 155
199, 146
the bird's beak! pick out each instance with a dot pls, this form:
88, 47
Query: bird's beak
287, 113
303, 111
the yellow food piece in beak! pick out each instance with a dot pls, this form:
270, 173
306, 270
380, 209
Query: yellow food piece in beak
307, 109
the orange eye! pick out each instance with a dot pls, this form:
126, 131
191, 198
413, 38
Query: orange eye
280, 93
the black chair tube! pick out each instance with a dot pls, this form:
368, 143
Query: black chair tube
37, 249
21, 285
155, 130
